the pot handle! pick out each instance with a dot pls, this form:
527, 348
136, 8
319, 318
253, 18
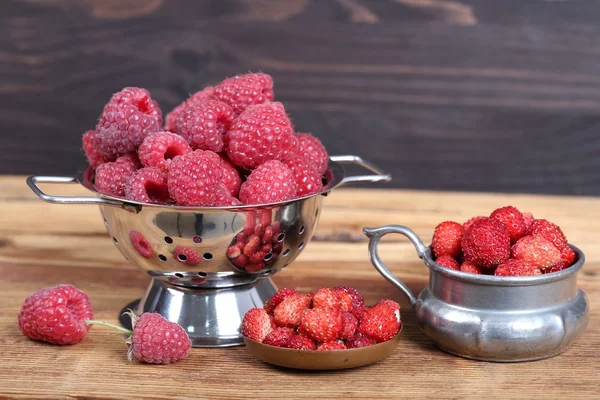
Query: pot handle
380, 176
32, 182
375, 234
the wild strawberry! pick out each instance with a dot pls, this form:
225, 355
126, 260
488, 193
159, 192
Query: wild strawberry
357, 299
301, 342
468, 266
446, 239
513, 221
537, 251
391, 304
333, 345
380, 323
327, 297
359, 340
549, 231
470, 222
514, 267
256, 324
349, 325
486, 243
279, 337
289, 312
255, 266
567, 259
359, 311
277, 298
252, 246
322, 324
528, 218
448, 262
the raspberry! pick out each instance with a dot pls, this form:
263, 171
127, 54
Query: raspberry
194, 178
469, 267
140, 243
549, 231
380, 323
127, 118
279, 337
88, 144
242, 91
514, 267
313, 152
231, 177
112, 178
158, 149
223, 197
301, 342
357, 299
349, 325
148, 185
528, 219
261, 133
277, 298
513, 221
289, 312
537, 251
130, 160
198, 97
334, 345
447, 238
56, 315
187, 255
307, 179
486, 243
448, 262
322, 324
155, 340
470, 222
269, 183
256, 324
359, 340
205, 124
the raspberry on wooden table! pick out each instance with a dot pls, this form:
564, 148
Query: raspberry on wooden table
513, 221
194, 178
148, 185
242, 91
93, 156
269, 183
446, 240
537, 251
156, 340
486, 243
56, 315
313, 152
158, 149
256, 324
198, 97
515, 267
126, 120
261, 133
111, 178
205, 124
308, 180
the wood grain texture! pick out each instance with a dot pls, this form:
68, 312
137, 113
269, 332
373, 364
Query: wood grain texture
450, 95
43, 244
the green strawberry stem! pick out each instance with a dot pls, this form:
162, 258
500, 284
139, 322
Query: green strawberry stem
119, 328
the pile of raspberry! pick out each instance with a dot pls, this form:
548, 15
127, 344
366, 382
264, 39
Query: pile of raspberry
330, 319
226, 145
507, 243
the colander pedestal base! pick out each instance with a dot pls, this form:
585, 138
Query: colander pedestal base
211, 317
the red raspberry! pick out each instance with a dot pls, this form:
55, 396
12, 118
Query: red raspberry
198, 97
470, 222
148, 185
289, 312
528, 219
158, 149
56, 315
537, 251
269, 183
279, 337
130, 160
468, 266
301, 342
359, 340
357, 299
127, 118
277, 298
205, 124
349, 325
242, 91
261, 133
448, 262
486, 243
307, 179
223, 197
447, 238
231, 177
194, 178
513, 221
187, 255
380, 323
88, 144
334, 345
322, 324
156, 340
312, 150
140, 243
514, 267
256, 324
112, 178
549, 231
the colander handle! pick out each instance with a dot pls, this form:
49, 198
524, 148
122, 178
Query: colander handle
32, 182
375, 234
380, 176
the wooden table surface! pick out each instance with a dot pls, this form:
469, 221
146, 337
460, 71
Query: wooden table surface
44, 244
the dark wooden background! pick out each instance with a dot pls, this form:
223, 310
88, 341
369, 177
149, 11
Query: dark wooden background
456, 95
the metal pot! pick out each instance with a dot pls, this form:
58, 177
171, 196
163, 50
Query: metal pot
503, 319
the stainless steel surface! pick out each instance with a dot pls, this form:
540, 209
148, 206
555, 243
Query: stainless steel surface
484, 317
193, 253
